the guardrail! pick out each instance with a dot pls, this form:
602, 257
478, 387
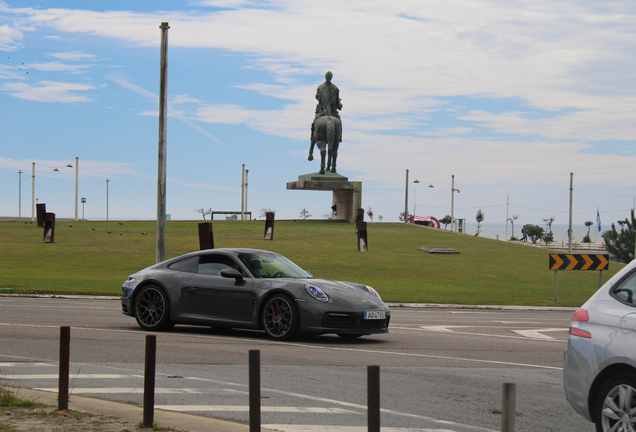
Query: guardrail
508, 397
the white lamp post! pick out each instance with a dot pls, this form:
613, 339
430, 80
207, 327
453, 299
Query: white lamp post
107, 181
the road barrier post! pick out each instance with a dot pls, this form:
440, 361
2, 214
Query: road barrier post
508, 402
362, 237
269, 225
65, 354
373, 398
206, 236
255, 390
149, 380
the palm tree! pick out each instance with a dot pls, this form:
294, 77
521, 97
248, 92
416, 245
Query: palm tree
512, 222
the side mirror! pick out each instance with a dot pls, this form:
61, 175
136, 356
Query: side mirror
232, 273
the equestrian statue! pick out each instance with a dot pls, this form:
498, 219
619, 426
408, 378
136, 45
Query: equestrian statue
326, 129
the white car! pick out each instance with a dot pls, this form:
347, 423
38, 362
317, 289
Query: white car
599, 368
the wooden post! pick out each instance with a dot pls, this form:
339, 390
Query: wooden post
508, 403
255, 390
149, 380
65, 354
373, 398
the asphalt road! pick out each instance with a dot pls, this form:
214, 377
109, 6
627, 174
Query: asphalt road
441, 369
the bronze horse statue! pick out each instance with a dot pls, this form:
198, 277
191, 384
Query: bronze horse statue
326, 134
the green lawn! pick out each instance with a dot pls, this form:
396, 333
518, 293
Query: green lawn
87, 261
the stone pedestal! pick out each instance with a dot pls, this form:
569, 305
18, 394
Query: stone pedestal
347, 196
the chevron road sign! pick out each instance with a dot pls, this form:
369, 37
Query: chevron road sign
598, 262
579, 262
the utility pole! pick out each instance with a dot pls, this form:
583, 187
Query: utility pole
163, 134
33, 192
76, 183
507, 207
570, 228
453, 190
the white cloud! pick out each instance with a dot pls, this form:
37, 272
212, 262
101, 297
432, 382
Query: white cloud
48, 91
10, 72
9, 38
59, 67
73, 55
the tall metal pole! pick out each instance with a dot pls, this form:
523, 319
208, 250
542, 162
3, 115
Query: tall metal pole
243, 193
453, 203
19, 193
76, 183
406, 198
33, 192
107, 181
163, 134
570, 228
507, 206
246, 172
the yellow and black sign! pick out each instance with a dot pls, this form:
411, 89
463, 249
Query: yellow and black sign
579, 262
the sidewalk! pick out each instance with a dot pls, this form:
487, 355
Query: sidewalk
104, 416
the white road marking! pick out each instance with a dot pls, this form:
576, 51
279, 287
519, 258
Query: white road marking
449, 329
246, 408
22, 364
538, 333
315, 428
125, 390
72, 376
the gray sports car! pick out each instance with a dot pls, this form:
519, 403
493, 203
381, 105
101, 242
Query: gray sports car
254, 289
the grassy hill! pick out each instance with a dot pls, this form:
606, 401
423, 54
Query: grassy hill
85, 259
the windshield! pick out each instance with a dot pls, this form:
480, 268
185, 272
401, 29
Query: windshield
272, 265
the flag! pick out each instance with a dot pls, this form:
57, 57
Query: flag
598, 220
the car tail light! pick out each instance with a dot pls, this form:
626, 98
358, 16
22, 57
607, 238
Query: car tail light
580, 316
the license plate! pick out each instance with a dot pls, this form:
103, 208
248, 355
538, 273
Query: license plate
374, 315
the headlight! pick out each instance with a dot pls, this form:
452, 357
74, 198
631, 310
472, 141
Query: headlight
316, 293
373, 292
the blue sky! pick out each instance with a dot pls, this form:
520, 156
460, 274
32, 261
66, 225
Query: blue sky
510, 97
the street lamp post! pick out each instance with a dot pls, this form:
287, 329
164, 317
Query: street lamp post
33, 191
416, 181
83, 202
76, 184
243, 193
107, 181
406, 198
246, 172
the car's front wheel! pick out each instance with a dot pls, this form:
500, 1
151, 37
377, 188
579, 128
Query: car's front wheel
152, 309
616, 404
280, 318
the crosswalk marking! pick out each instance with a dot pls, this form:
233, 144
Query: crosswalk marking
246, 408
127, 390
317, 428
73, 376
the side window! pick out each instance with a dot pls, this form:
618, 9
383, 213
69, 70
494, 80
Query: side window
214, 264
186, 265
626, 290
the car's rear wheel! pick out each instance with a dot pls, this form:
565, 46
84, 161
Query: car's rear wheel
152, 309
280, 318
616, 404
